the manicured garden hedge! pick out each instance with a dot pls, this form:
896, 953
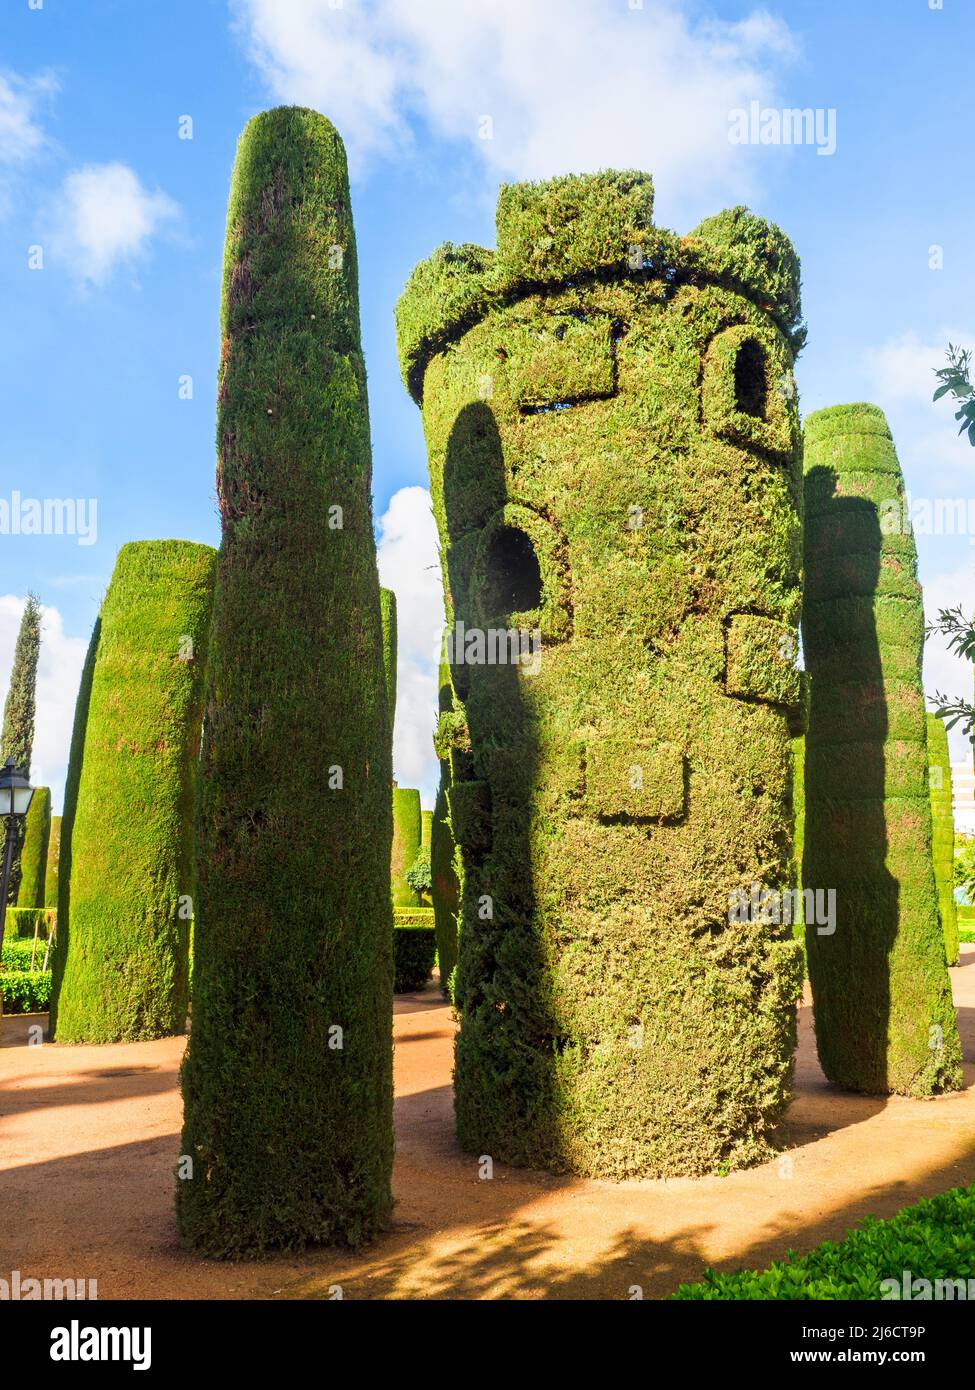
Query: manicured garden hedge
387, 605
882, 1000
943, 833
798, 830
407, 834
53, 864
414, 947
21, 921
25, 991
930, 1241
443, 855
614, 464
33, 853
123, 935
17, 953
287, 1083
71, 783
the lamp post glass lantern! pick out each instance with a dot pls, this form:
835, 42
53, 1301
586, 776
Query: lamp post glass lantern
15, 797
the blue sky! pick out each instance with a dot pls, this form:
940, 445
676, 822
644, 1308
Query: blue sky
129, 219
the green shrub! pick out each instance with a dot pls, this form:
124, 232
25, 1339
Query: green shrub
123, 940
414, 948
33, 852
933, 1240
53, 863
942, 833
614, 464
287, 1084
25, 991
418, 874
966, 935
881, 996
17, 953
407, 832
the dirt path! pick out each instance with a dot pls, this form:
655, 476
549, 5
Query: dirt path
88, 1138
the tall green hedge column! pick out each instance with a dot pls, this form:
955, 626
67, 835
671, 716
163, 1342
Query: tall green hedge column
943, 833
614, 461
287, 1084
881, 996
123, 940
407, 834
443, 852
387, 601
53, 864
33, 854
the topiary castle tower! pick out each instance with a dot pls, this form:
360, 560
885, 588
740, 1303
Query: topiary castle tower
288, 1135
127, 866
614, 461
881, 997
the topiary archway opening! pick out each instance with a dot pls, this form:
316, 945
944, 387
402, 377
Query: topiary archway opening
512, 575
751, 379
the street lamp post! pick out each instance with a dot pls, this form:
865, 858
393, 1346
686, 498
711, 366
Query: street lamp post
15, 795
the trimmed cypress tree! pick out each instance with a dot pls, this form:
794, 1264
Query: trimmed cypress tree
76, 757
33, 853
943, 833
443, 854
881, 997
614, 463
387, 602
287, 1083
798, 830
407, 832
426, 827
124, 973
53, 861
17, 737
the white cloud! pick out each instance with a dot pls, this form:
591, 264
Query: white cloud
21, 133
22, 136
58, 677
901, 370
105, 218
569, 85
409, 564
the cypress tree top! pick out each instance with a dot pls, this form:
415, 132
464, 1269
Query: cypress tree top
17, 741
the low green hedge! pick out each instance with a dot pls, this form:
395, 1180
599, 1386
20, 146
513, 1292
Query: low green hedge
20, 921
17, 954
933, 1240
414, 947
25, 991
966, 935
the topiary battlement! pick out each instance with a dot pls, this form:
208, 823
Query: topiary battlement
613, 449
588, 228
